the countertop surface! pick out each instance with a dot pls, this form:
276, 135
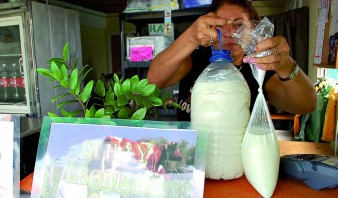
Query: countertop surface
286, 186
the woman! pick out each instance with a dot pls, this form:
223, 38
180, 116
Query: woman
285, 85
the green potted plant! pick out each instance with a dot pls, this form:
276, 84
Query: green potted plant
130, 98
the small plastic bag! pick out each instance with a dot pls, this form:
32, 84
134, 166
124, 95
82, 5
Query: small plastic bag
260, 148
137, 6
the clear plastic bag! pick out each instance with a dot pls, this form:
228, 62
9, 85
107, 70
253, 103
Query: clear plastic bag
260, 148
137, 6
220, 102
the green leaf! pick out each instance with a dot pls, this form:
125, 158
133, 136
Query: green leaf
64, 83
148, 90
156, 93
116, 78
76, 62
110, 109
76, 112
66, 102
58, 61
141, 85
106, 117
60, 96
85, 73
87, 113
126, 86
99, 113
139, 114
57, 86
91, 112
64, 74
139, 99
118, 89
45, 72
101, 90
73, 80
65, 51
109, 99
122, 100
130, 95
65, 113
165, 97
123, 114
77, 90
156, 101
56, 71
147, 103
50, 114
134, 81
84, 96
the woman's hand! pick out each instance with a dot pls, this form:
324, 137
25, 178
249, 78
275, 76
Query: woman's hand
278, 60
202, 31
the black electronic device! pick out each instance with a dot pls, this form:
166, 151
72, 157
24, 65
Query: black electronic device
316, 171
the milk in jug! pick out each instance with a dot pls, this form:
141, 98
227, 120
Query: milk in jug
220, 104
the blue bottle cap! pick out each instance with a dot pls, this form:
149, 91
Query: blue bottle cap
220, 54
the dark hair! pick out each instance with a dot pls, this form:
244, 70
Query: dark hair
245, 4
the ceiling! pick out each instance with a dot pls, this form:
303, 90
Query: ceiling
116, 6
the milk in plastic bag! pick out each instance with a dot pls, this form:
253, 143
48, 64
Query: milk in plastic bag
260, 147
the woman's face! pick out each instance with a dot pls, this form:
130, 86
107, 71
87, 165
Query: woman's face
232, 14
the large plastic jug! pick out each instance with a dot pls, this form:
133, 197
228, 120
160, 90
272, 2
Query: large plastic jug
220, 107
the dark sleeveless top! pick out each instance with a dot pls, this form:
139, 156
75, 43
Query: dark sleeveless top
200, 60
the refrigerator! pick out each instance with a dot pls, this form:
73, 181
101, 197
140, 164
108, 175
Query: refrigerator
17, 79
31, 33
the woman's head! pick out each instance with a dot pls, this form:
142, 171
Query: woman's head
244, 4
235, 13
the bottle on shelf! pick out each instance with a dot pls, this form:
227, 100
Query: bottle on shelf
4, 84
17, 86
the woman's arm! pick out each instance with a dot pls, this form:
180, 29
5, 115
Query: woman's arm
297, 95
173, 63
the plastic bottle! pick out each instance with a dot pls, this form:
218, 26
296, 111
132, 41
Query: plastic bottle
4, 84
17, 86
220, 107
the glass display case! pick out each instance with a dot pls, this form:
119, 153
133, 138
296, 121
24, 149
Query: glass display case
16, 91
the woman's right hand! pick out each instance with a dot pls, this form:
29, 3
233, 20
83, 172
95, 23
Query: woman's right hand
202, 31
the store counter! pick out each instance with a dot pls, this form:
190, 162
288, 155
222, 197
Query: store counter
286, 186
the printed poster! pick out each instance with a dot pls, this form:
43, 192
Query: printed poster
86, 160
6, 159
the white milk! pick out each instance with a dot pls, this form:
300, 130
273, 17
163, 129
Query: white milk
260, 155
221, 109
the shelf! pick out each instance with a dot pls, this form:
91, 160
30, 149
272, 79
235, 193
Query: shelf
10, 55
143, 64
12, 5
141, 19
181, 15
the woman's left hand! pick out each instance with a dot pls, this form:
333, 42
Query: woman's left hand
278, 60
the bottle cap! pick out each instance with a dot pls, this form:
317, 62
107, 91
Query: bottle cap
220, 54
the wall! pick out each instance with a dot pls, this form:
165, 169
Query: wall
97, 28
313, 8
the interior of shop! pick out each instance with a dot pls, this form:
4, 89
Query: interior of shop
101, 34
